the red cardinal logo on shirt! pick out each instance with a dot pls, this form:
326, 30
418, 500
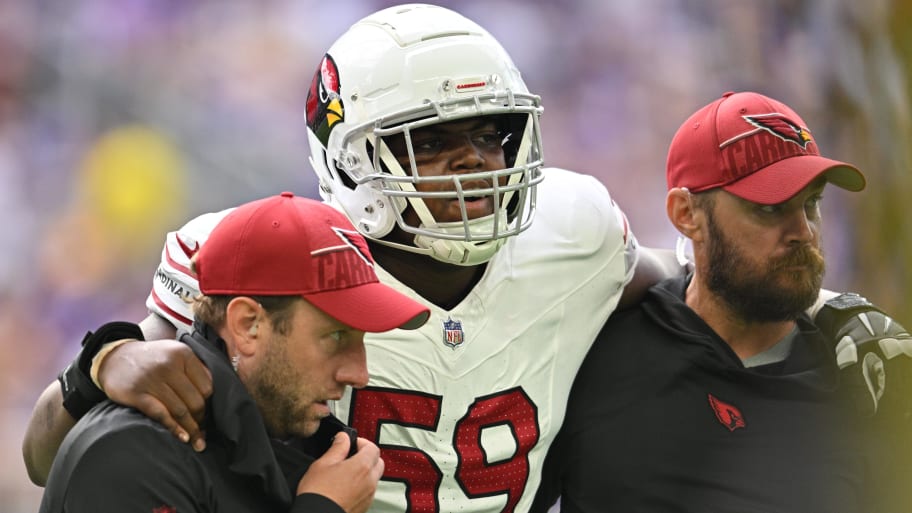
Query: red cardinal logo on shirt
164, 509
727, 414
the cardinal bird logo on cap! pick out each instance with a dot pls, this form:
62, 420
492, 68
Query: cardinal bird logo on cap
782, 127
324, 102
353, 240
727, 414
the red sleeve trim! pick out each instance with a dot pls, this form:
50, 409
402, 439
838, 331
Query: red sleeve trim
184, 269
168, 310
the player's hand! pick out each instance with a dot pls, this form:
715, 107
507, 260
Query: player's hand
164, 380
872, 350
349, 482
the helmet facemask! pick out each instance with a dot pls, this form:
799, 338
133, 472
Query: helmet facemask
465, 241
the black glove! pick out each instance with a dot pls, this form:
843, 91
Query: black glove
868, 343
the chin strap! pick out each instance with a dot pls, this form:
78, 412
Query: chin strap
467, 253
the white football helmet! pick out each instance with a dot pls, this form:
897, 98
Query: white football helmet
401, 69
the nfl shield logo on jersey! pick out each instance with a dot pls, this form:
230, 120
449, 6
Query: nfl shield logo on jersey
452, 333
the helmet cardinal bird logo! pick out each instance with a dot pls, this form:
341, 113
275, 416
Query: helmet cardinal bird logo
324, 103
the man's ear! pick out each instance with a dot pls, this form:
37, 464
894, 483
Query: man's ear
682, 213
242, 322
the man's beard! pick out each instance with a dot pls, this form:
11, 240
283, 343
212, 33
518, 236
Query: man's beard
757, 294
272, 386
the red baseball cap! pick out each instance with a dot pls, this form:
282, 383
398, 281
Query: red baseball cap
285, 246
753, 147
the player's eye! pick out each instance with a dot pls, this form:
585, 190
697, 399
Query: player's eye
424, 146
487, 138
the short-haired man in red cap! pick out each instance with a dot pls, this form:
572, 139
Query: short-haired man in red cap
288, 290
717, 393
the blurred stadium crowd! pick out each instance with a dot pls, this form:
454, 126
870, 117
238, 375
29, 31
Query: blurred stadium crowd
121, 119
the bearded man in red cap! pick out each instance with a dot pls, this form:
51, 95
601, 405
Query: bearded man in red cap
717, 393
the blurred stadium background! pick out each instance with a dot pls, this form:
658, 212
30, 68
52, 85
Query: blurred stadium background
121, 119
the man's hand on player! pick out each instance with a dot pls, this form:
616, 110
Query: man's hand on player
164, 380
873, 351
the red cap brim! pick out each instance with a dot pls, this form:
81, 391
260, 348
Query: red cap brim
372, 307
781, 180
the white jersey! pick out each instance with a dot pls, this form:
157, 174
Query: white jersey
465, 407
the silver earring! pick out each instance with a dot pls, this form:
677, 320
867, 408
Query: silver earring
234, 362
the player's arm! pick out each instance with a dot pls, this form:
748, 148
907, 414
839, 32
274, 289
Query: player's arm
652, 266
163, 379
146, 376
51, 421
